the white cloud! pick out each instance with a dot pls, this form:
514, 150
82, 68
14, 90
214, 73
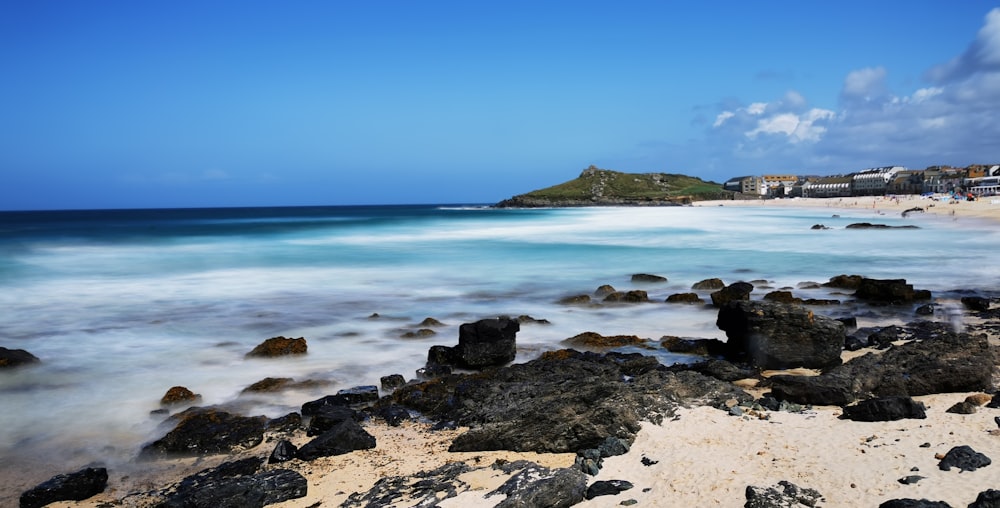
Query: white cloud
757, 108
982, 55
866, 84
721, 119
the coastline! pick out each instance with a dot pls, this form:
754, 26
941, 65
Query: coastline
983, 208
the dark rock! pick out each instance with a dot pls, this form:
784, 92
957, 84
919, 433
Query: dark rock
285, 424
849, 322
782, 297
724, 370
987, 499
784, 494
589, 462
392, 381
911, 480
708, 285
204, 431
525, 319
575, 300
422, 333
885, 409
613, 446
704, 347
634, 296
345, 437
486, 343
393, 415
179, 395
733, 292
964, 458
328, 417
543, 487
279, 346
854, 343
994, 403
925, 310
976, 303
598, 341
883, 338
913, 503
908, 211
963, 408
237, 484
358, 395
605, 290
76, 486
441, 355
269, 384
283, 451
869, 225
819, 226
422, 489
781, 336
430, 323
433, 371
684, 298
844, 282
648, 278
820, 301
562, 402
949, 363
892, 291
16, 357
607, 488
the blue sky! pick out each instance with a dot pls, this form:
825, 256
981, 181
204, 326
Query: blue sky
115, 104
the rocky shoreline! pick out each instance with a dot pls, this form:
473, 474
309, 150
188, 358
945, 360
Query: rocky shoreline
541, 433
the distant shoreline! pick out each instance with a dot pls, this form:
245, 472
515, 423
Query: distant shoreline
985, 208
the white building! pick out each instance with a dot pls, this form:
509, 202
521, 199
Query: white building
873, 181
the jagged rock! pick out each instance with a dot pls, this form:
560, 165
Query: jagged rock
16, 357
648, 278
964, 458
205, 431
357, 395
733, 292
269, 384
605, 290
782, 297
819, 226
913, 503
781, 336
908, 211
393, 415
285, 424
345, 437
564, 401
392, 381
844, 282
885, 409
925, 310
703, 347
76, 486
598, 341
893, 291
976, 303
486, 343
179, 395
949, 363
633, 296
422, 489
526, 319
911, 480
279, 346
237, 483
724, 370
328, 417
684, 298
883, 338
542, 487
783, 495
283, 452
987, 499
607, 488
708, 284
575, 300
432, 371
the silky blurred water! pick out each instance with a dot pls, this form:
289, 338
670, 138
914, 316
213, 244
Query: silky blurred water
122, 305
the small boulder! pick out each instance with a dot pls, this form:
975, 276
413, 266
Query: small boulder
179, 395
279, 346
844, 282
328, 417
575, 300
987, 499
782, 297
345, 437
607, 488
205, 431
597, 341
964, 458
283, 452
486, 343
76, 486
604, 290
781, 336
913, 503
16, 357
269, 385
237, 483
733, 292
962, 408
648, 278
633, 296
392, 381
976, 303
781, 495
540, 486
892, 291
885, 409
708, 285
684, 298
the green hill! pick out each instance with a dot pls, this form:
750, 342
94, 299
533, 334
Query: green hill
604, 187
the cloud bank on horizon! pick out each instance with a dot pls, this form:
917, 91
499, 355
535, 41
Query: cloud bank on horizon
127, 104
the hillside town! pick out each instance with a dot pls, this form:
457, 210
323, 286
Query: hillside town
971, 182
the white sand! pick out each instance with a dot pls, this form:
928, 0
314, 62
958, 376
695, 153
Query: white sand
986, 208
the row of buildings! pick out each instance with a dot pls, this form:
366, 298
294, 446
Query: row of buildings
979, 180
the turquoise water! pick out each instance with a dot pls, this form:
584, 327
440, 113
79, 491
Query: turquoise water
122, 305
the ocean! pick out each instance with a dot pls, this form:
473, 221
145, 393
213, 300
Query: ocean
122, 305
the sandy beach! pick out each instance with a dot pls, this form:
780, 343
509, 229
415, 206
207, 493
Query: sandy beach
984, 208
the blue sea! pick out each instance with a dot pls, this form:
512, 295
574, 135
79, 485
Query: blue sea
122, 305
